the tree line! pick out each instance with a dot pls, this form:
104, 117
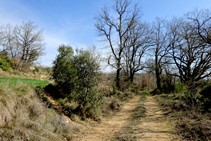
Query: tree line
179, 47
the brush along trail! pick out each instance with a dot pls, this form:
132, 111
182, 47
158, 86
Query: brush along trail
153, 127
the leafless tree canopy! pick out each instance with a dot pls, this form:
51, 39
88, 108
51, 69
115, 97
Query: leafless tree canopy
23, 43
200, 21
139, 41
190, 50
161, 47
191, 54
121, 29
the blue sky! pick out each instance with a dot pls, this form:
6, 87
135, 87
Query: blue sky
71, 21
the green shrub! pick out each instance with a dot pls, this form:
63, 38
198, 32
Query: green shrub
37, 69
64, 73
180, 87
5, 63
77, 75
48, 69
145, 94
133, 88
167, 84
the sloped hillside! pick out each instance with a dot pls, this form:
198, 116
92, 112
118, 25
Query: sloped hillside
23, 116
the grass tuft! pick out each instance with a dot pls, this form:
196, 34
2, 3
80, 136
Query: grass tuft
23, 116
189, 124
129, 131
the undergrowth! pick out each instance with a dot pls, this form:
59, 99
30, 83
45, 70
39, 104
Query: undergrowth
24, 117
5, 63
190, 125
71, 108
139, 111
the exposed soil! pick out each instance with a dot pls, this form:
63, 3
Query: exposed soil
153, 127
55, 104
109, 127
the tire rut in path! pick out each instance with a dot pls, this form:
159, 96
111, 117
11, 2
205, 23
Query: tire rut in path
107, 129
155, 127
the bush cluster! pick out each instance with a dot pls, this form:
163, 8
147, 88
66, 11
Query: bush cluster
5, 63
77, 75
180, 87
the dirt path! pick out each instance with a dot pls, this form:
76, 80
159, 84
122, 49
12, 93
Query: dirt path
107, 129
154, 126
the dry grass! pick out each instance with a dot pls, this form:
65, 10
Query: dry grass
129, 132
190, 125
24, 117
24, 75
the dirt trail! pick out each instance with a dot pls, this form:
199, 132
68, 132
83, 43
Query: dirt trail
154, 126
107, 129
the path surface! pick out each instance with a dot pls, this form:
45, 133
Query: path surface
107, 130
154, 126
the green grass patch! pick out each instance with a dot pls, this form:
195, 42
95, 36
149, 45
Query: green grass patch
145, 94
32, 82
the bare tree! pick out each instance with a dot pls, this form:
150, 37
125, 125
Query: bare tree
115, 28
1, 35
23, 43
8, 41
29, 42
191, 55
139, 41
200, 21
160, 48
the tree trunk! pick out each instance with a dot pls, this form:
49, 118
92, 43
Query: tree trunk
157, 72
118, 79
131, 77
158, 78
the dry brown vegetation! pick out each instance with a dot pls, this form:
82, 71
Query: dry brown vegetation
189, 124
23, 116
42, 73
